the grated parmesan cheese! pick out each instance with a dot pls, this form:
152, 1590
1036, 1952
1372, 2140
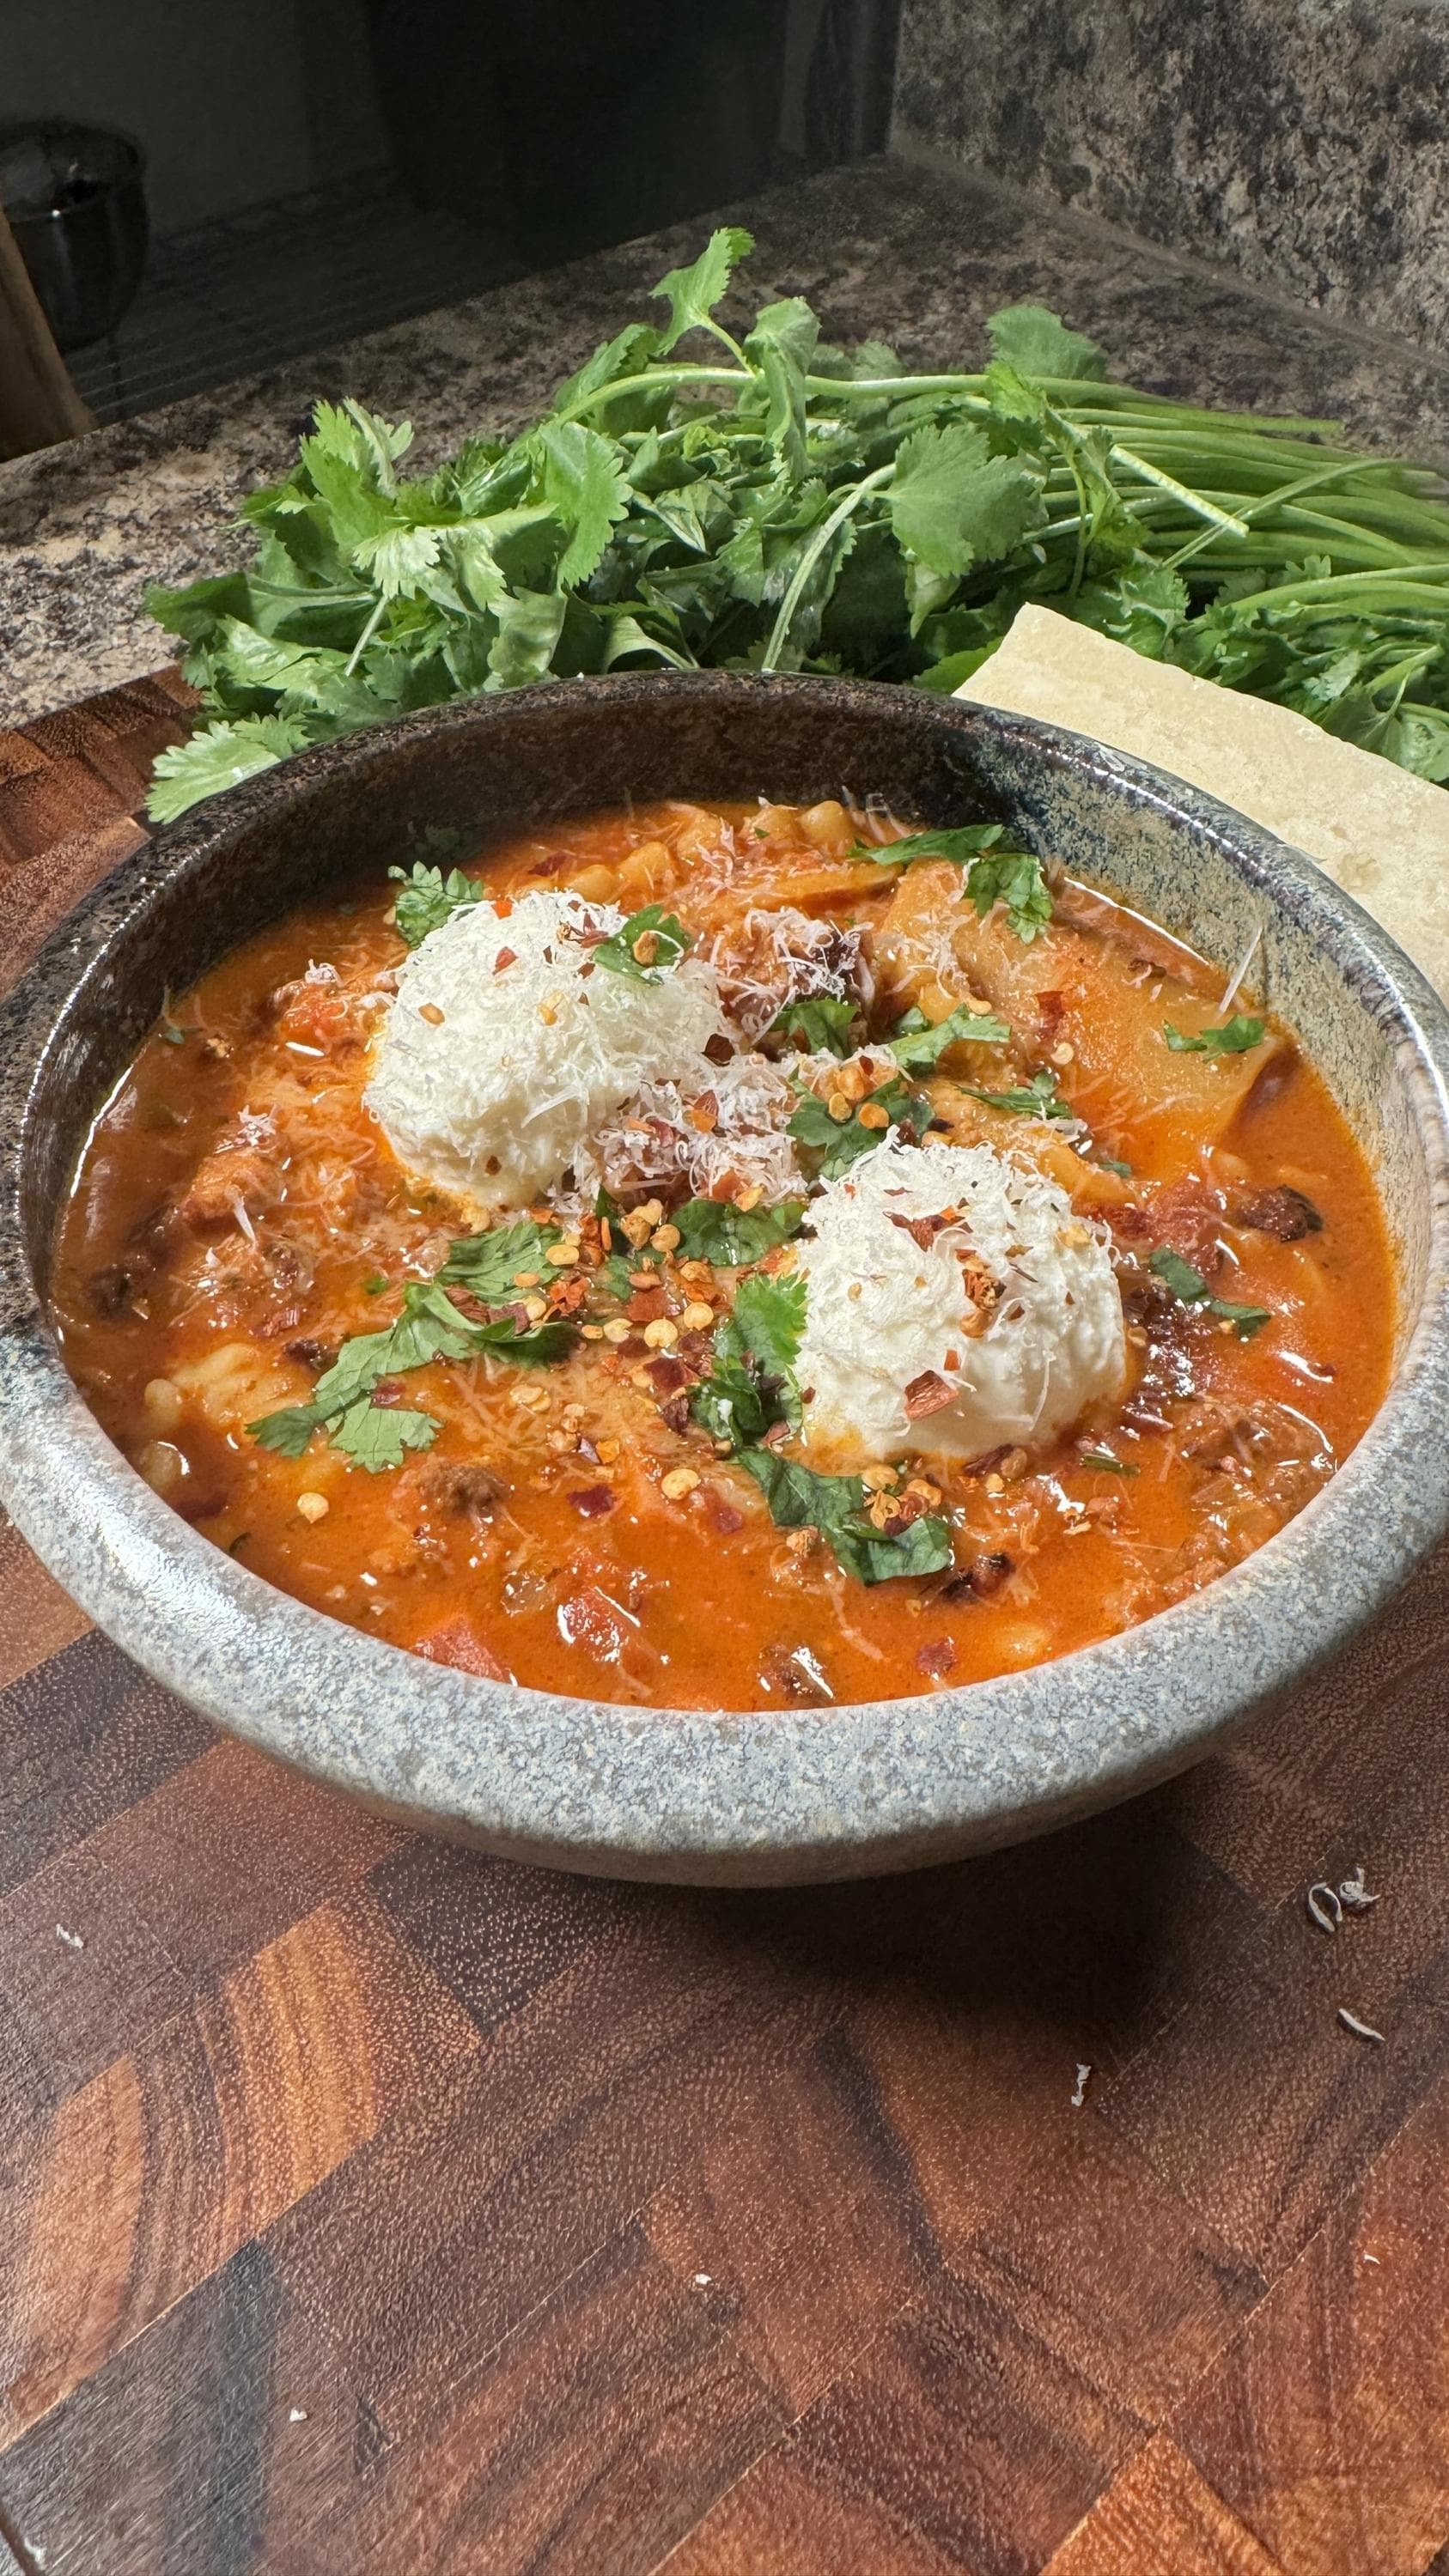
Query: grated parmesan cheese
1012, 1305
506, 1046
774, 957
652, 1143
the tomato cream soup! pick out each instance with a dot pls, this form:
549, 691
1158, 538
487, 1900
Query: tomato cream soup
727, 1256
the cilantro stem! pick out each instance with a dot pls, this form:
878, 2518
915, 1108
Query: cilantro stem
1197, 502
780, 632
652, 376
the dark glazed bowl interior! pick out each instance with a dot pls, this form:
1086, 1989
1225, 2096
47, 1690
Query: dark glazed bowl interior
743, 1798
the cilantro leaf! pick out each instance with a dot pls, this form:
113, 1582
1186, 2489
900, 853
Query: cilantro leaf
692, 293
1179, 1276
1189, 1285
997, 875
952, 503
584, 480
218, 757
917, 1045
751, 1381
766, 1324
489, 1263
1236, 1037
840, 1142
836, 1506
961, 843
717, 1231
531, 1346
663, 939
375, 1436
1015, 878
1038, 1098
287, 1431
429, 899
1033, 339
817, 1025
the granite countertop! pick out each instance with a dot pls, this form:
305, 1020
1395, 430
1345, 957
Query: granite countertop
890, 249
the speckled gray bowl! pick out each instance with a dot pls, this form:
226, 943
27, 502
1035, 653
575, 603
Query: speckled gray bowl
801, 1794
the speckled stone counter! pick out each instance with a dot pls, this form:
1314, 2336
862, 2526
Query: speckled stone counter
888, 249
1300, 141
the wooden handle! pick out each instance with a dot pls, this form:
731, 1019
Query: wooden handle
38, 403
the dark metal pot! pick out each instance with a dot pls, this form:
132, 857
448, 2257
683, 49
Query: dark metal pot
76, 203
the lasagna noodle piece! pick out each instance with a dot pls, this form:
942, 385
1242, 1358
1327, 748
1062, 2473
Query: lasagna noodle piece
1097, 996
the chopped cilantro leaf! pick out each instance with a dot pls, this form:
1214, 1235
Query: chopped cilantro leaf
489, 1263
963, 844
836, 1506
1015, 878
1235, 1037
840, 1142
819, 1025
1104, 1461
1038, 1098
375, 1436
650, 942
1108, 1163
997, 875
288, 1431
1180, 1277
374, 1286
717, 1231
428, 899
751, 1382
429, 1328
917, 1046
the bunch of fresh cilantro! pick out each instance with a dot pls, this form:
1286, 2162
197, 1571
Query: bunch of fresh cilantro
777, 504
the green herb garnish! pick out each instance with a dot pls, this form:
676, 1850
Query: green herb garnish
649, 943
918, 1045
818, 1026
489, 1263
1190, 1286
751, 1382
1038, 1098
717, 1231
996, 875
836, 1506
429, 1328
1104, 1461
1235, 1037
428, 899
839, 1142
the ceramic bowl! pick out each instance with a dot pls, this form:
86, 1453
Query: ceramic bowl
680, 1794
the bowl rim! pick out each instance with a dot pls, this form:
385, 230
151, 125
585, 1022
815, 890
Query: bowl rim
734, 1796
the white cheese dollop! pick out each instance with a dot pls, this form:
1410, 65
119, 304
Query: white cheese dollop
506, 1044
888, 1312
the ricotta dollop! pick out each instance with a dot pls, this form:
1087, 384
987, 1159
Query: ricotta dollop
507, 1045
955, 1304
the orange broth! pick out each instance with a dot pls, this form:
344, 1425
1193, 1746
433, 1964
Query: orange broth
536, 1537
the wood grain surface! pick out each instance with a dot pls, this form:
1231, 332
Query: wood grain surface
367, 2205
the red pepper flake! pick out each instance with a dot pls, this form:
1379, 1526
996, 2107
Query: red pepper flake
592, 1500
923, 1230
721, 1515
502, 906
550, 864
387, 1392
703, 1114
927, 1393
936, 1658
505, 957
718, 1048
667, 1374
646, 1306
